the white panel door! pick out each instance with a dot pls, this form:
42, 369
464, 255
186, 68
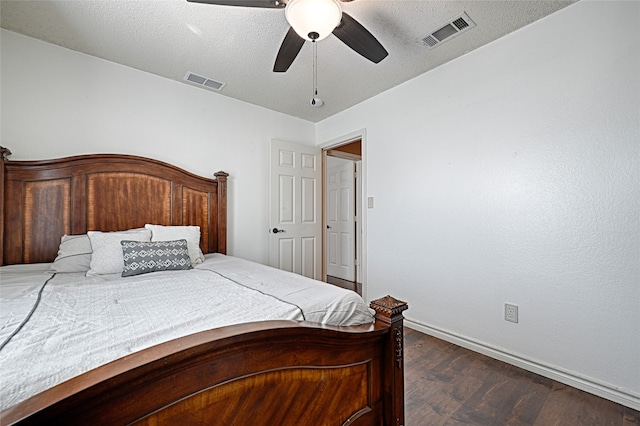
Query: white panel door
340, 213
295, 242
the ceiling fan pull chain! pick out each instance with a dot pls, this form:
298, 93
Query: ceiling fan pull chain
315, 72
315, 100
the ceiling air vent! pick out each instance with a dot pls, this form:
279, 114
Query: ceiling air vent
204, 81
447, 31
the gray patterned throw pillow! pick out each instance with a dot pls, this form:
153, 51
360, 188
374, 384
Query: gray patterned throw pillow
143, 257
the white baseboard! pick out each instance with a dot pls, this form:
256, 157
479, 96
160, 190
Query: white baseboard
603, 390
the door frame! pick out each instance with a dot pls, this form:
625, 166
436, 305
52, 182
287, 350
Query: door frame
334, 143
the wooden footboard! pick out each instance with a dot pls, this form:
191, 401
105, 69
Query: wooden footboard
266, 373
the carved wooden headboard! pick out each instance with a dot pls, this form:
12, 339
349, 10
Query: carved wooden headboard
42, 200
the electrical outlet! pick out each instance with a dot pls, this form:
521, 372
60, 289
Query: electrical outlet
511, 312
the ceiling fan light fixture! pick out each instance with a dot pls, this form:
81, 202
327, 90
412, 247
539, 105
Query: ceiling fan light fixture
313, 19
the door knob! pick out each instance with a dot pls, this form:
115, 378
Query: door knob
276, 230
328, 227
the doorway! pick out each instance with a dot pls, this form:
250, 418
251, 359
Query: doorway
342, 204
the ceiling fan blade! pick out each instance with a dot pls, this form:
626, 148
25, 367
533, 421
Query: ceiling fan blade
289, 49
269, 4
354, 35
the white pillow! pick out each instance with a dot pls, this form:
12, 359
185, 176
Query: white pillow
74, 254
107, 251
172, 233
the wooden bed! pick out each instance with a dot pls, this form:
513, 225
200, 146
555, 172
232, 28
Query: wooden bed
263, 373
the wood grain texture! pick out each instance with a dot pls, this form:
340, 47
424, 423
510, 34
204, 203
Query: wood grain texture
195, 211
218, 217
250, 400
146, 199
450, 385
47, 210
43, 200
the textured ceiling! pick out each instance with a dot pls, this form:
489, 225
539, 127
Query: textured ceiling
238, 45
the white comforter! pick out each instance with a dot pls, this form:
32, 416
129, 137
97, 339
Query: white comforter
81, 323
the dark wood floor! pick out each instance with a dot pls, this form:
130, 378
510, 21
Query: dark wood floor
350, 285
448, 385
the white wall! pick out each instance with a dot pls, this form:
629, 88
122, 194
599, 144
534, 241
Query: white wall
57, 102
512, 175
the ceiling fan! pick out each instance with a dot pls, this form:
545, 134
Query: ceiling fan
313, 20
